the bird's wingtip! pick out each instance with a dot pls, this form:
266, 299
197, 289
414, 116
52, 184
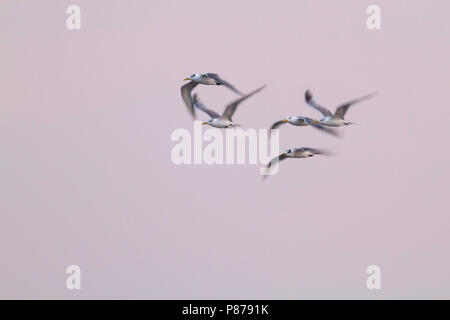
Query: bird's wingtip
325, 152
308, 95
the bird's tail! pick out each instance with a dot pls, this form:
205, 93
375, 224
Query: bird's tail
323, 152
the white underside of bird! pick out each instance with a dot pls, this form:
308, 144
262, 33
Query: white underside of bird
296, 121
333, 122
299, 153
203, 80
221, 123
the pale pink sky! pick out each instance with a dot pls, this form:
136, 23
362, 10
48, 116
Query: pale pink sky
86, 176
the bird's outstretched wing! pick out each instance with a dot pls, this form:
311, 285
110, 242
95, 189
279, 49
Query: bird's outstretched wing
277, 124
201, 106
309, 100
231, 108
342, 109
279, 158
330, 131
322, 128
187, 97
218, 79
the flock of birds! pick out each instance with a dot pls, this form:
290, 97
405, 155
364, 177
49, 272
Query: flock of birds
327, 123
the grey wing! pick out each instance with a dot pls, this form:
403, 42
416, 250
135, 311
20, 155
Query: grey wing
231, 108
321, 127
309, 100
277, 124
218, 79
279, 158
187, 97
342, 109
202, 107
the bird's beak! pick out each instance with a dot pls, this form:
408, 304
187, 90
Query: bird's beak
284, 120
186, 79
204, 122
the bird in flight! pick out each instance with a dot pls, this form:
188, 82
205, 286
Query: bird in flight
206, 79
224, 120
297, 153
330, 119
303, 122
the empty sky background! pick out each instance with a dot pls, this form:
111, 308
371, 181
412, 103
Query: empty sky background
86, 176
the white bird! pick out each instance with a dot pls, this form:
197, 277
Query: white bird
206, 79
330, 119
303, 122
295, 153
224, 120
